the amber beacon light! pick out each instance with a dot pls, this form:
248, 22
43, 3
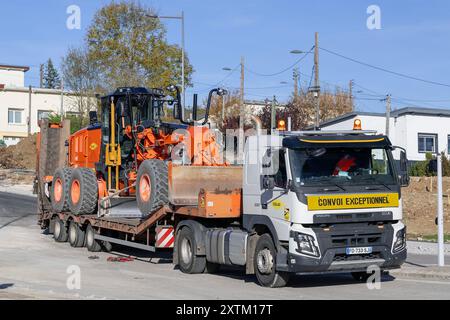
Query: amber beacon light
357, 124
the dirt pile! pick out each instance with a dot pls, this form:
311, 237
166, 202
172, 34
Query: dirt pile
420, 205
19, 156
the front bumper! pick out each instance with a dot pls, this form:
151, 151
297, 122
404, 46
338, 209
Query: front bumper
333, 243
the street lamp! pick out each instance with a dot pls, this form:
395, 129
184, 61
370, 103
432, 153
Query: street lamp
181, 17
295, 51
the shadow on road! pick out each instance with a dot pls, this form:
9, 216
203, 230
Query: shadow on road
4, 286
17, 219
301, 281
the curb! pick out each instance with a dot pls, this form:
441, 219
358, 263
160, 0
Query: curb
422, 273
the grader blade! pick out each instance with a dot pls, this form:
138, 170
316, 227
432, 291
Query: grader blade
185, 182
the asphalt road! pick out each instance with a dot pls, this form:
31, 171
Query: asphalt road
33, 265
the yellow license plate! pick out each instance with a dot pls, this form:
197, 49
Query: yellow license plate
352, 201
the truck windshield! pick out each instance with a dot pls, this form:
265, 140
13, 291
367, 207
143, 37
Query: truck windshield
341, 166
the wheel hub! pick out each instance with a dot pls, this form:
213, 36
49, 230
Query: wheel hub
265, 261
186, 251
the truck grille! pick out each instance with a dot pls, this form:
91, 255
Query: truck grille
355, 240
344, 257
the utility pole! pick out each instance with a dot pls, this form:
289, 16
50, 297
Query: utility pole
62, 99
295, 77
183, 49
350, 94
242, 111
223, 107
30, 90
440, 213
41, 76
316, 79
273, 114
388, 113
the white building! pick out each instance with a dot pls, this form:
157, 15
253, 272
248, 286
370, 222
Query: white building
21, 107
418, 130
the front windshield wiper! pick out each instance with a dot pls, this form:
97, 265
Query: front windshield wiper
329, 180
375, 180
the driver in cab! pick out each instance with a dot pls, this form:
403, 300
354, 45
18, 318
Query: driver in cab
344, 166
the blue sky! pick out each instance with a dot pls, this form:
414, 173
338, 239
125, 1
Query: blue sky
414, 39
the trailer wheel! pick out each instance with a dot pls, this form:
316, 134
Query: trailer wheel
264, 264
83, 192
187, 260
152, 186
76, 235
60, 190
92, 244
60, 231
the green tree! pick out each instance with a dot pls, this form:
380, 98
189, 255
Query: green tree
128, 48
51, 76
2, 143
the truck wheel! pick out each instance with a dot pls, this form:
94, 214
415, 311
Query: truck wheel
152, 186
60, 190
83, 192
60, 231
76, 235
92, 244
187, 260
264, 263
106, 246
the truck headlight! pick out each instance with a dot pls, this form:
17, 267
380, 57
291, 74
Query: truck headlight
306, 245
400, 240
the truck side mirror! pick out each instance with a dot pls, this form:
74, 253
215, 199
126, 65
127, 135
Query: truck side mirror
269, 182
93, 119
404, 176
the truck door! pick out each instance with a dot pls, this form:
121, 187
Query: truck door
274, 193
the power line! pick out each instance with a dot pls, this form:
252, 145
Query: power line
386, 70
283, 70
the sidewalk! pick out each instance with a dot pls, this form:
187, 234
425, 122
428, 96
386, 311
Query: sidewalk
22, 189
423, 247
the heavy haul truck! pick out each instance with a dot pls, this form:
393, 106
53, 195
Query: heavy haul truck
301, 202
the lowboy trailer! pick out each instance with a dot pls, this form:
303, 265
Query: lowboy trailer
302, 202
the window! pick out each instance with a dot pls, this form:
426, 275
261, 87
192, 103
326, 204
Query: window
427, 142
15, 116
448, 144
341, 166
274, 164
43, 114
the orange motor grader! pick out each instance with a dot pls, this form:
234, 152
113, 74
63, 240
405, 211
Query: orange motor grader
130, 162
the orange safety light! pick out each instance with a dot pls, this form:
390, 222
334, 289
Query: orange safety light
357, 124
281, 125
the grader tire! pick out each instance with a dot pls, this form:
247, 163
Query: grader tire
83, 197
152, 187
60, 190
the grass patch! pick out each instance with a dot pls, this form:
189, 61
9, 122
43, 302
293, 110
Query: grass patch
433, 237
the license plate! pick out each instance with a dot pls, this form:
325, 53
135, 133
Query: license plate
358, 250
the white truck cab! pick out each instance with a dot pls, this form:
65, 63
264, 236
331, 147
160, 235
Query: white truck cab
331, 201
